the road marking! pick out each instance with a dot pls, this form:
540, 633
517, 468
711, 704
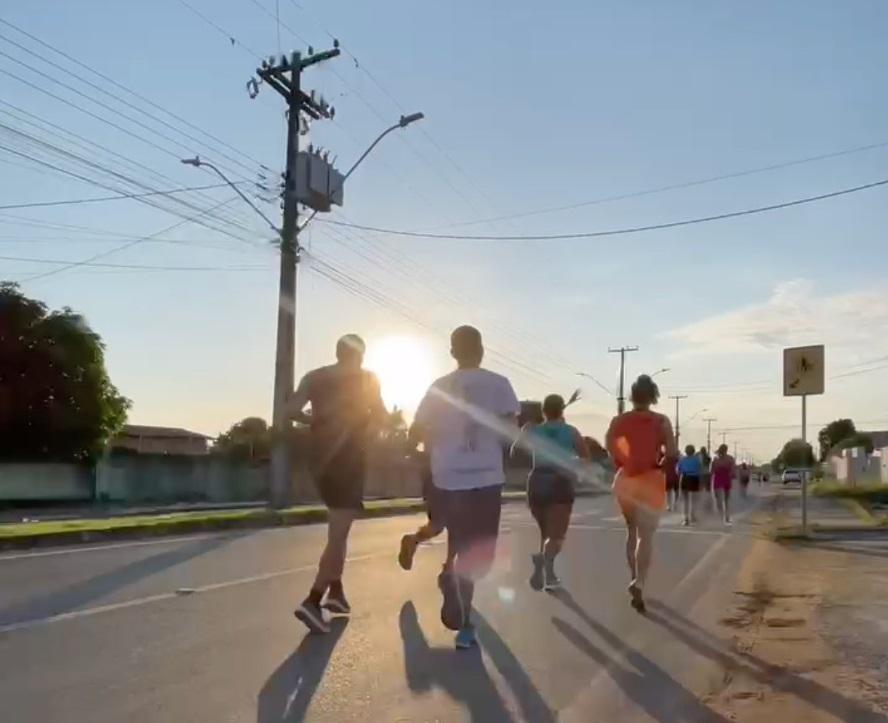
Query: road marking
160, 597
111, 546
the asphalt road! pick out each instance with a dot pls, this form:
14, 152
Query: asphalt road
200, 629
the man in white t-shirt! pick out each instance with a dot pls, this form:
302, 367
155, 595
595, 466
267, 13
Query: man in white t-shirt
466, 419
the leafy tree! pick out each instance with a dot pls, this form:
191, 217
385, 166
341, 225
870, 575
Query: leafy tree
56, 400
250, 438
795, 453
833, 433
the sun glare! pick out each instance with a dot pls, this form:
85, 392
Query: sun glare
405, 369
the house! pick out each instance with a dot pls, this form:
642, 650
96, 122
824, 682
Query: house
880, 438
161, 440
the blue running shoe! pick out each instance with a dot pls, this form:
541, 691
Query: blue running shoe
465, 639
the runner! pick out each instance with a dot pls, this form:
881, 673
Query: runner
706, 480
467, 417
744, 479
435, 525
723, 468
689, 469
638, 441
345, 406
670, 467
554, 445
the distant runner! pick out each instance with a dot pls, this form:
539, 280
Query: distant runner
555, 446
670, 467
638, 441
744, 479
706, 479
723, 468
467, 418
345, 407
689, 468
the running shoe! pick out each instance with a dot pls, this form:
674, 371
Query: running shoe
685, 522
336, 602
637, 600
408, 550
552, 581
451, 607
313, 617
466, 639
538, 578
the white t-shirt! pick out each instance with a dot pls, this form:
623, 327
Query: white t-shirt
462, 414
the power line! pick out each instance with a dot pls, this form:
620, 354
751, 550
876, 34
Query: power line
678, 186
100, 199
133, 93
144, 267
615, 232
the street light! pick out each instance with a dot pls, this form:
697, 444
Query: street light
696, 414
660, 371
403, 122
589, 376
198, 163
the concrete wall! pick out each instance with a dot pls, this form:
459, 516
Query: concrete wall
854, 466
164, 478
45, 482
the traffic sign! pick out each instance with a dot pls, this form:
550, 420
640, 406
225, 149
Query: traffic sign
803, 371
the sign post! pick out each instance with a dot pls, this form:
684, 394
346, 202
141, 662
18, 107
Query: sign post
803, 374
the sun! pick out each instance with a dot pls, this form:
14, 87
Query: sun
405, 369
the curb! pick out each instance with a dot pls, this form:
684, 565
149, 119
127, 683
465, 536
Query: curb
253, 519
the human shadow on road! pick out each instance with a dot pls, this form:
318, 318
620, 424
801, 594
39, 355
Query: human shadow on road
773, 676
286, 695
848, 548
81, 593
661, 696
459, 673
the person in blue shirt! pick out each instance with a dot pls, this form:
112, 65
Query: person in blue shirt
555, 446
689, 469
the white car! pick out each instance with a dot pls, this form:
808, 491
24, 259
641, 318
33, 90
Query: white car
792, 476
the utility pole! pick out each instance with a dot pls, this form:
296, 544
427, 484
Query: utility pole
709, 421
285, 78
677, 398
621, 399
724, 437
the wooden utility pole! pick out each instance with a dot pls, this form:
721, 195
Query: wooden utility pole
285, 77
677, 398
621, 399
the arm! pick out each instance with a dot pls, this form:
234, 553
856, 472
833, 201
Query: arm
669, 439
297, 401
609, 441
582, 449
520, 441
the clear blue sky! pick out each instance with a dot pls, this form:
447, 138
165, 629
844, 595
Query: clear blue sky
527, 108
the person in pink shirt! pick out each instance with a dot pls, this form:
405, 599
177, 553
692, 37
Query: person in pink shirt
722, 469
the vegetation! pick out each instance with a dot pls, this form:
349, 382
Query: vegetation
795, 453
842, 434
56, 400
248, 439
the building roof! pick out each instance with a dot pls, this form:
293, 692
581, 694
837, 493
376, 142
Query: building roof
880, 438
143, 430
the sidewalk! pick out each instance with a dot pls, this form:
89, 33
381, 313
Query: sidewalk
806, 626
826, 515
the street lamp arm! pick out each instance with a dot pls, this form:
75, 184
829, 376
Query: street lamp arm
403, 122
589, 376
197, 163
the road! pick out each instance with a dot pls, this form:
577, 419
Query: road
200, 629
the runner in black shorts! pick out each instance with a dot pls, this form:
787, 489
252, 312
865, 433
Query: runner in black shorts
345, 407
435, 525
689, 470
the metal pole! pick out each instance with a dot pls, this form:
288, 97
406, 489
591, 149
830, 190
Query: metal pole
285, 355
677, 398
621, 400
805, 471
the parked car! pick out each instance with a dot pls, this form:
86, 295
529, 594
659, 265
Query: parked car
792, 476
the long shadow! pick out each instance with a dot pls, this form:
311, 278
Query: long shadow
661, 696
847, 548
74, 596
533, 706
286, 695
459, 673
774, 676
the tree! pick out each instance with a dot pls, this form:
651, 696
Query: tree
858, 439
795, 453
833, 433
249, 439
56, 400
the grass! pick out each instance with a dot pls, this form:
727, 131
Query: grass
173, 523
861, 499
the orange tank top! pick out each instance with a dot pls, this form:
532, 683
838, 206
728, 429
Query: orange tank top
637, 441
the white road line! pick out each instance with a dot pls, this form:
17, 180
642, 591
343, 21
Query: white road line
137, 602
99, 547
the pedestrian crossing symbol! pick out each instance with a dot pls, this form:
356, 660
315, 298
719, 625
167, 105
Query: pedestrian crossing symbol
803, 371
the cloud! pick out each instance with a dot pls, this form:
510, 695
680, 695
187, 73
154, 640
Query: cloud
794, 314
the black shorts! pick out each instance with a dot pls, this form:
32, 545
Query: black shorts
671, 484
689, 483
431, 495
339, 476
472, 518
550, 486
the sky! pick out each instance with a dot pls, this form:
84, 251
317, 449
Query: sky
526, 109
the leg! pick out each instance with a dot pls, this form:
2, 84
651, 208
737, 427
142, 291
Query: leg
686, 505
537, 577
557, 522
727, 502
332, 563
648, 519
631, 544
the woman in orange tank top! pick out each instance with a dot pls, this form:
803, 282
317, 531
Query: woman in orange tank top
638, 442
